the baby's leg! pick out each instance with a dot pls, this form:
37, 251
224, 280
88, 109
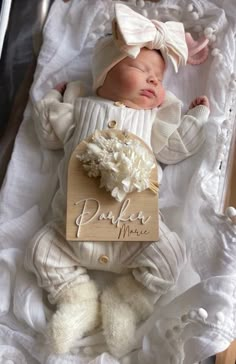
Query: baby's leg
59, 272
131, 299
159, 265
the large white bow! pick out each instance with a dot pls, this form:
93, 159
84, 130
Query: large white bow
132, 31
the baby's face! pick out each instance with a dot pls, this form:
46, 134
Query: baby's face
136, 82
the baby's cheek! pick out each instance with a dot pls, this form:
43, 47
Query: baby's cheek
161, 96
130, 83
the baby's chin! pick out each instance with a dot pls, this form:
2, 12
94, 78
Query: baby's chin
143, 103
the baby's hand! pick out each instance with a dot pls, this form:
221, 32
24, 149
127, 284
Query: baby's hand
201, 100
61, 87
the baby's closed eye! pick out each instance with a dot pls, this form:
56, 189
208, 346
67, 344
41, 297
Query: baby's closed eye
140, 68
139, 65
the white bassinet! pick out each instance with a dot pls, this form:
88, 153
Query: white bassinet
197, 318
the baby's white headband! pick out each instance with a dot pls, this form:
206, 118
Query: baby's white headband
131, 32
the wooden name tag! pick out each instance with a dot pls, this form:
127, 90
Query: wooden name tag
94, 215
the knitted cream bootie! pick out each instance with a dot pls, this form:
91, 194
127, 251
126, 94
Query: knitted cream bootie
139, 298
77, 314
123, 306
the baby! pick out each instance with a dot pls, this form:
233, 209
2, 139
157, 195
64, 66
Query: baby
129, 91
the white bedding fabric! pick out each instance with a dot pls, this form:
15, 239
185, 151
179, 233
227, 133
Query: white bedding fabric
190, 198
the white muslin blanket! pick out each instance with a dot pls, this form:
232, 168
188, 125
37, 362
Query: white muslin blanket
197, 318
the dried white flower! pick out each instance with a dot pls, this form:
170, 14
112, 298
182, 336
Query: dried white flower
123, 164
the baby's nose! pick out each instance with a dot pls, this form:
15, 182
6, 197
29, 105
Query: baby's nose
153, 80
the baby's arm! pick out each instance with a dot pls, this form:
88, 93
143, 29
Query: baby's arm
187, 139
54, 118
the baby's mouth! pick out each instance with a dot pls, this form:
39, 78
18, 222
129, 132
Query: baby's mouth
148, 93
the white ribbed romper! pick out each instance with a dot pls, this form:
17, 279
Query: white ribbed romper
59, 264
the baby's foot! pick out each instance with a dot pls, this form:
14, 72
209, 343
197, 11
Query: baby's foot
78, 313
119, 323
70, 323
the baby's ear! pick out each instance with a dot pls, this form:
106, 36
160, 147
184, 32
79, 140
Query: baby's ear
73, 90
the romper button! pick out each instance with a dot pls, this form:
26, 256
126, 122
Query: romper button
112, 124
103, 259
